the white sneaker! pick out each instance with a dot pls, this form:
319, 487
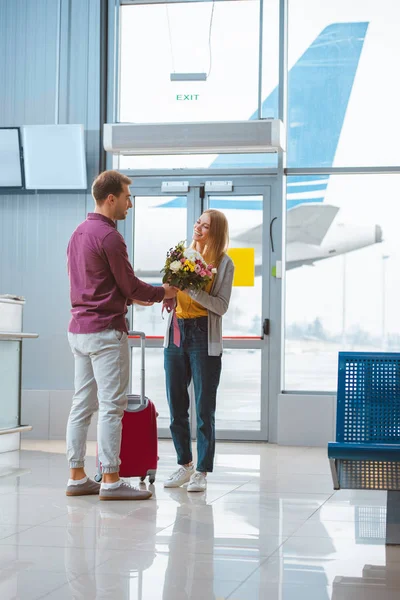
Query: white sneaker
179, 477
197, 483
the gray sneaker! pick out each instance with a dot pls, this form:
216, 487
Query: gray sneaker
124, 492
89, 488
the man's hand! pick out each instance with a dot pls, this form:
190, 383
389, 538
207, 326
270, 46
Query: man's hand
170, 292
142, 303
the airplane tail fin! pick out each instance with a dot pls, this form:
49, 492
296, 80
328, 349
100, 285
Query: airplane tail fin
320, 85
319, 88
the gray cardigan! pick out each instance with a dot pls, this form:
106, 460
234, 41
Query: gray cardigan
216, 302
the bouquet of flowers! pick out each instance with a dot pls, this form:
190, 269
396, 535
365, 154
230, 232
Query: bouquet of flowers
185, 268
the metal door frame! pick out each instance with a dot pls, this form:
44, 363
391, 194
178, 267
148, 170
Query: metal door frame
242, 186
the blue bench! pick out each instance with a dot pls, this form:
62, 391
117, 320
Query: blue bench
366, 454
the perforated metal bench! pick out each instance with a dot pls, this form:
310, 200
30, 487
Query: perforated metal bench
366, 454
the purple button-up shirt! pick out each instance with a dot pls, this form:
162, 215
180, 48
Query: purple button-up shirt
102, 281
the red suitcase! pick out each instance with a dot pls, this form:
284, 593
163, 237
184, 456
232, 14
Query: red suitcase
139, 444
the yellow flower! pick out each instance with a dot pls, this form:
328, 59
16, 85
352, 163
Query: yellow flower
189, 265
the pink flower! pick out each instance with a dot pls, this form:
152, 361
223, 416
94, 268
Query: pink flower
203, 273
197, 268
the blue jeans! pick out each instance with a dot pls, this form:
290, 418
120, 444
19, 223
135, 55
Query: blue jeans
191, 361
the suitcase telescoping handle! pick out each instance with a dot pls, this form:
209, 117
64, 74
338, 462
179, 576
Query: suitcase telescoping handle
142, 337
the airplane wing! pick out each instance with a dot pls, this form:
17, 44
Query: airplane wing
306, 223
250, 236
309, 223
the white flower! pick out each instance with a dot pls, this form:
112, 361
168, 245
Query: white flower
175, 266
192, 255
213, 271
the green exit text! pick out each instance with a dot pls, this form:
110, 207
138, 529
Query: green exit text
187, 97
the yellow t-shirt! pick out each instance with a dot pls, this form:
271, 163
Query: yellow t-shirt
187, 308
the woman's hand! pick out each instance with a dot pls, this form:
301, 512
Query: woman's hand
169, 304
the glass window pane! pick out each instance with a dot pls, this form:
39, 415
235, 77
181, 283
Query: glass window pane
270, 60
343, 93
220, 39
231, 89
239, 392
238, 401
157, 39
343, 260
244, 214
159, 223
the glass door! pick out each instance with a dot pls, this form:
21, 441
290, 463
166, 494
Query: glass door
242, 401
161, 220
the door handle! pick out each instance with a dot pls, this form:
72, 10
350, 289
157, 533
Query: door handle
266, 327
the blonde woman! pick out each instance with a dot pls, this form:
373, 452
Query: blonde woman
198, 355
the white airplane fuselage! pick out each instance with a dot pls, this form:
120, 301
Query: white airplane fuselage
341, 238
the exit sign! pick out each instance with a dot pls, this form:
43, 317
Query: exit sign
187, 97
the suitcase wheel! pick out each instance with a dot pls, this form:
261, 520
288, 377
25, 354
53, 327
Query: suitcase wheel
98, 477
143, 478
152, 475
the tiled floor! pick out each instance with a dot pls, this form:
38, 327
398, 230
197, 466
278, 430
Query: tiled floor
269, 527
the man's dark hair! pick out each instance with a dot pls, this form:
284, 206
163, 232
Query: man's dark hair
108, 182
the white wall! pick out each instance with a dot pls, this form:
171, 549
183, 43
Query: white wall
306, 420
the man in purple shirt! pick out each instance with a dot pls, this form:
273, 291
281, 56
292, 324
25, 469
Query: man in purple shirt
102, 285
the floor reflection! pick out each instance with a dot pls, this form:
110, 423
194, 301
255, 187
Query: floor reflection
376, 583
181, 576
269, 527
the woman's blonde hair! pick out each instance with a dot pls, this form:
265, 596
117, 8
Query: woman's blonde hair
218, 237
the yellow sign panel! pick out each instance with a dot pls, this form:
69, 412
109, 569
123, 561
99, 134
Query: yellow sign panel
243, 259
